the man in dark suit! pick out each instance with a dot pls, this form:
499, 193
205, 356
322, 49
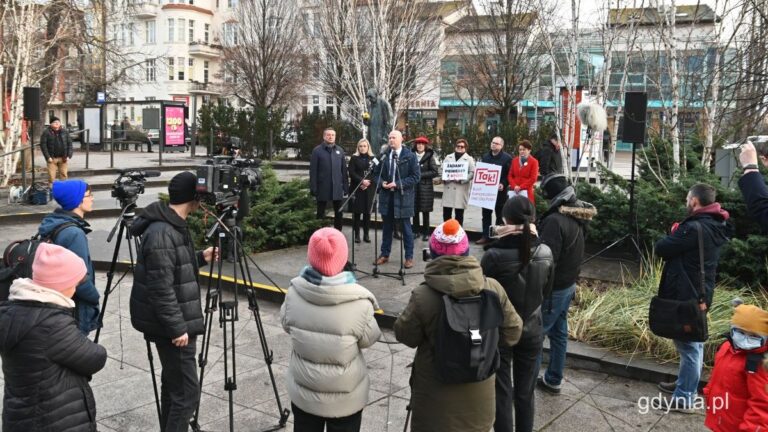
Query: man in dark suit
397, 175
328, 180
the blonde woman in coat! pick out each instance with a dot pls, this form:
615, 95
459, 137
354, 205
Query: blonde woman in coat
330, 320
456, 193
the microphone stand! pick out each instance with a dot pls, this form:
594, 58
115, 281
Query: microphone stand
353, 265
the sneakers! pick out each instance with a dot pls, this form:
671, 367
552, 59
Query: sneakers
547, 387
408, 263
668, 387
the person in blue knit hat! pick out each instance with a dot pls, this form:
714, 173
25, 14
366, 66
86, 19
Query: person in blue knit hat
66, 227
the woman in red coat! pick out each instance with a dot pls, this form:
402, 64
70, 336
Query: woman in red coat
737, 393
524, 171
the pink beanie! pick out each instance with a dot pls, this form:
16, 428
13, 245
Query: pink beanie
57, 268
449, 238
327, 252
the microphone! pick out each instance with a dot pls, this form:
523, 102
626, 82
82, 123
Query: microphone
593, 115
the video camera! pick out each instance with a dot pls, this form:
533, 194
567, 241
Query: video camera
224, 180
130, 184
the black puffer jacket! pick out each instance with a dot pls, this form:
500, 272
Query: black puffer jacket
562, 228
47, 363
55, 143
526, 287
363, 201
165, 300
680, 278
425, 189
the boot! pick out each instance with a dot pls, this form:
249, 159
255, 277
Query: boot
357, 236
366, 238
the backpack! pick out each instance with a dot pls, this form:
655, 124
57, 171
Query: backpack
18, 257
466, 347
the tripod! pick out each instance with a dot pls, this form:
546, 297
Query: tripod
353, 264
123, 227
632, 222
226, 228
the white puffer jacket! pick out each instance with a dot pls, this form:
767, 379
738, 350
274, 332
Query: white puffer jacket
330, 319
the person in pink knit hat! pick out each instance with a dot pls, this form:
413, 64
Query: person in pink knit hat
449, 406
330, 320
47, 361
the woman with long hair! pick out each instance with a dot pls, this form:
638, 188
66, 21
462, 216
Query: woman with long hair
525, 268
361, 204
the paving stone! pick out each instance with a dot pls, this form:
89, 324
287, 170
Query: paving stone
581, 416
624, 415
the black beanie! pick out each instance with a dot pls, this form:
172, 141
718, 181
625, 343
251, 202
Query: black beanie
181, 189
517, 209
53, 119
553, 184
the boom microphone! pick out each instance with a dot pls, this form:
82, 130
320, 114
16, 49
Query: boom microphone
593, 115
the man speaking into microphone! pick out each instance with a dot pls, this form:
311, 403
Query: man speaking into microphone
397, 175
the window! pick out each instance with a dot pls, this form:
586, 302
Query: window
315, 100
171, 31
149, 32
133, 113
207, 31
191, 30
230, 34
151, 77
150, 98
170, 68
232, 3
205, 71
131, 30
182, 25
191, 69
181, 68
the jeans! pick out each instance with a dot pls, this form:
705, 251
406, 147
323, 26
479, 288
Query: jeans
521, 364
337, 216
554, 312
501, 199
691, 361
459, 214
388, 227
306, 422
180, 390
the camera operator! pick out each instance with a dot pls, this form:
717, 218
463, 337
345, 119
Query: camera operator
165, 299
751, 183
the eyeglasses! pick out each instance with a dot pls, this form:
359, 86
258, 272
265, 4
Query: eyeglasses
496, 143
90, 195
459, 146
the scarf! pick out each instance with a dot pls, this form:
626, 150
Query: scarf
507, 230
316, 278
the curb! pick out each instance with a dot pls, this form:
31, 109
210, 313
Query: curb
579, 356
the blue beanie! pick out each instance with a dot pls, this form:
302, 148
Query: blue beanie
69, 193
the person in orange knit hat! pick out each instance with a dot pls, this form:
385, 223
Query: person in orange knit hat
737, 393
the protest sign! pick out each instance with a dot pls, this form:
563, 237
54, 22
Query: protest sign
485, 185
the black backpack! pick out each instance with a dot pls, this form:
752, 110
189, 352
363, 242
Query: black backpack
18, 256
466, 347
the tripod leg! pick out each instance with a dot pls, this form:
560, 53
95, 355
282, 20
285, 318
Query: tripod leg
402, 254
154, 383
227, 318
211, 304
253, 305
110, 278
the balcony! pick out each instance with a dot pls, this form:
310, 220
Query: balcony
204, 50
146, 10
209, 88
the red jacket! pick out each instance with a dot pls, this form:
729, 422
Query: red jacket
524, 176
737, 400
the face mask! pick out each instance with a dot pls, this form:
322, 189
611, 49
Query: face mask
744, 341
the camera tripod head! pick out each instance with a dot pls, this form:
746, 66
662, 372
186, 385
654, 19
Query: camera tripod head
226, 220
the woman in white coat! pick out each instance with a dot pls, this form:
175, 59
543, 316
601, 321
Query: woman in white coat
456, 192
330, 320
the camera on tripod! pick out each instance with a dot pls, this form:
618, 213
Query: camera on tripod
130, 184
224, 179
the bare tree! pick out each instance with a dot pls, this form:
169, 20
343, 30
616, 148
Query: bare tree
25, 42
504, 51
268, 60
391, 45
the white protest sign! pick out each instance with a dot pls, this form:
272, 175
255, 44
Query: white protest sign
485, 185
456, 171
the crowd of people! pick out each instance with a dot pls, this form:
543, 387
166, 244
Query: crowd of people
478, 325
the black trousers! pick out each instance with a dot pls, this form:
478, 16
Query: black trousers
423, 229
306, 422
501, 199
518, 363
180, 390
459, 214
356, 217
337, 222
